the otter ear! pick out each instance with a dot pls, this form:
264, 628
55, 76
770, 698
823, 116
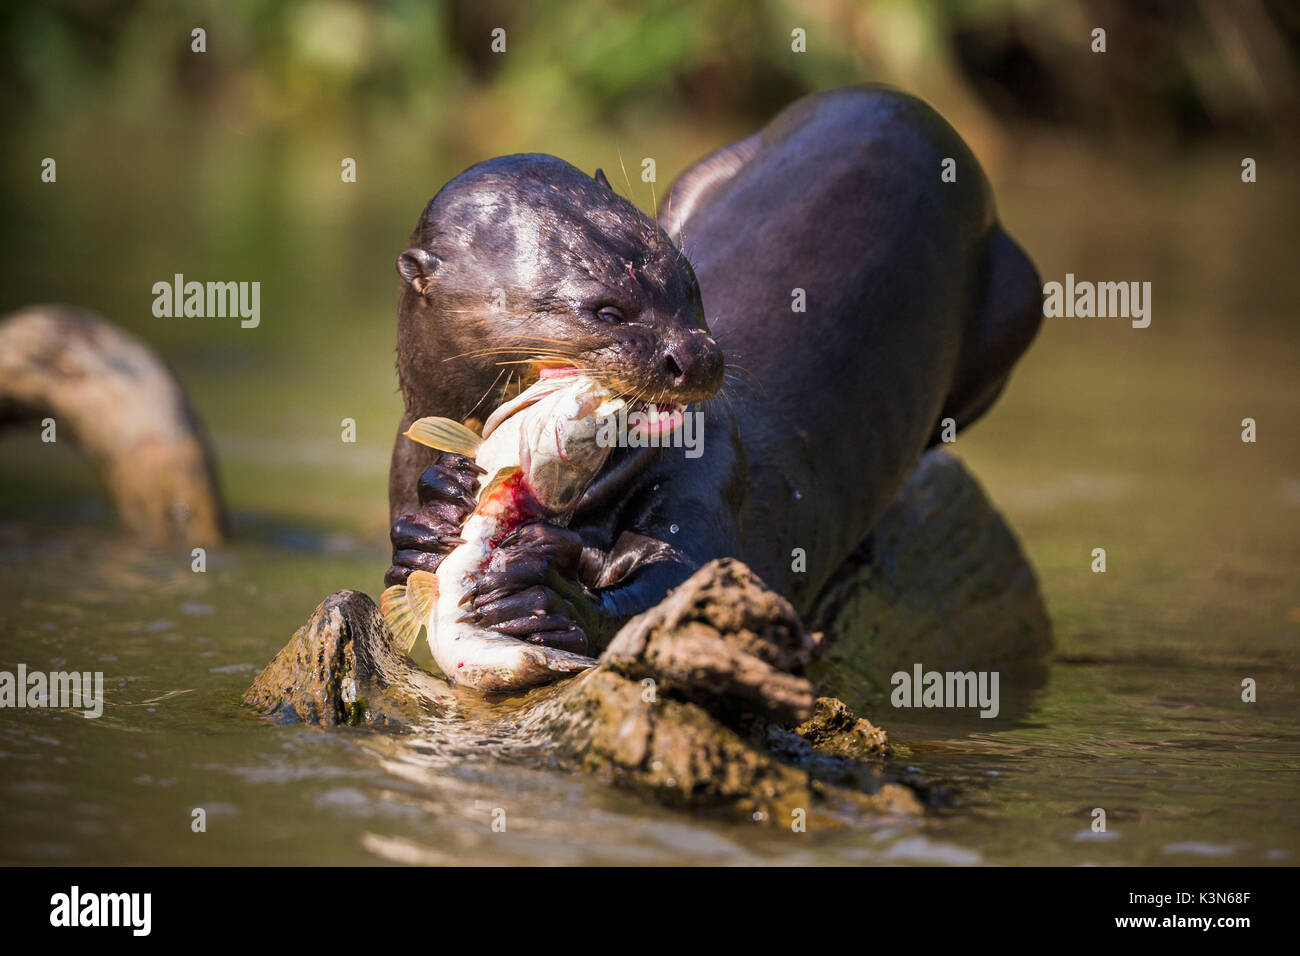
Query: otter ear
417, 267
600, 178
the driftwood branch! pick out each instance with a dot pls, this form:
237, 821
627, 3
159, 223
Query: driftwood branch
123, 406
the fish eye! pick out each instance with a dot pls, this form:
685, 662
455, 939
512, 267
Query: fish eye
609, 313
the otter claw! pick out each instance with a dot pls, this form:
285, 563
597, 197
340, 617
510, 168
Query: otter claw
511, 538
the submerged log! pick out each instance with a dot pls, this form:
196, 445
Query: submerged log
116, 399
342, 667
941, 581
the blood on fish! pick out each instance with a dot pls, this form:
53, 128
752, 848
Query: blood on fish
512, 506
516, 454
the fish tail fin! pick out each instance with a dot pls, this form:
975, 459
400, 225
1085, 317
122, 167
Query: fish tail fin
445, 435
422, 593
560, 662
395, 606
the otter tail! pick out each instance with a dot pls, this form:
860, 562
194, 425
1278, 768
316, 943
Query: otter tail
1004, 323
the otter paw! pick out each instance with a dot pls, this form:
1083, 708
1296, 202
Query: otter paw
528, 590
447, 493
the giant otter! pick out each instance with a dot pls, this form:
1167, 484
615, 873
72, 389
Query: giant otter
917, 306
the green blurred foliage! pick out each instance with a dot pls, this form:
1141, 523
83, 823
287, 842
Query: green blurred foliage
1186, 68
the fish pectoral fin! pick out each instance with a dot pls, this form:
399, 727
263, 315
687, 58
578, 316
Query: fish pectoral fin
422, 594
498, 480
395, 605
445, 435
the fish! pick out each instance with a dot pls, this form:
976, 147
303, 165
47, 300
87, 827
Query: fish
541, 450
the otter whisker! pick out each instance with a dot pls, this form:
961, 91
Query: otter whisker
527, 361
525, 347
483, 398
743, 372
625, 176
741, 386
502, 350
487, 353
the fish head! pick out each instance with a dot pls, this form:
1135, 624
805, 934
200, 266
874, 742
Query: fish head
562, 443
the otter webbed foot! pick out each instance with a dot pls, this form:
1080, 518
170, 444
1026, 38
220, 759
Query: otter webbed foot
423, 538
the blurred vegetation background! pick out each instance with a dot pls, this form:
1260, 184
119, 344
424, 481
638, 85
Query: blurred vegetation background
225, 165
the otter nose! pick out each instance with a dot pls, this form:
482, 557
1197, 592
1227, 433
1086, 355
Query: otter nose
673, 366
693, 364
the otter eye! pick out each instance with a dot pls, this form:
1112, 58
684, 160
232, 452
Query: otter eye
609, 313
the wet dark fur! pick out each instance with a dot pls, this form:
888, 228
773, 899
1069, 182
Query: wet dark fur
558, 247
918, 306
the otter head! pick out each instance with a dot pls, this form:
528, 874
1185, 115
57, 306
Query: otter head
526, 264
